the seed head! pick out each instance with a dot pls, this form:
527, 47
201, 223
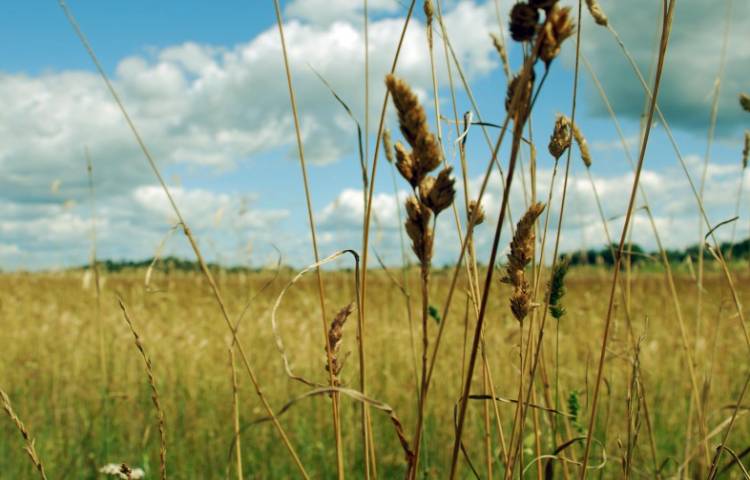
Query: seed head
560, 139
335, 334
524, 96
745, 101
596, 11
583, 146
438, 193
474, 206
388, 145
405, 165
418, 229
413, 122
558, 27
746, 150
523, 22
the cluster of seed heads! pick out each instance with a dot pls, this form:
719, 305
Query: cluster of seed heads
521, 254
431, 194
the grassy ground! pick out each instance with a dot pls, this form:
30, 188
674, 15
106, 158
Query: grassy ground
87, 407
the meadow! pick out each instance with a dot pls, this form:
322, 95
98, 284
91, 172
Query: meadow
531, 367
85, 412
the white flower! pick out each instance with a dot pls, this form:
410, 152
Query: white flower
122, 471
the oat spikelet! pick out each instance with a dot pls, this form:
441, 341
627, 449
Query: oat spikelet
560, 139
521, 250
437, 194
480, 213
583, 146
335, 334
425, 152
746, 150
558, 27
418, 229
29, 442
745, 101
388, 145
596, 11
405, 165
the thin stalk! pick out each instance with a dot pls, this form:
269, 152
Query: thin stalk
236, 414
95, 266
666, 27
321, 292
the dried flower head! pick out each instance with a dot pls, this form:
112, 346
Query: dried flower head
583, 146
558, 27
596, 11
745, 101
479, 212
438, 193
418, 229
521, 251
388, 145
524, 95
405, 165
335, 334
523, 22
426, 155
560, 139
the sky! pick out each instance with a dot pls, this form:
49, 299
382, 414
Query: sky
205, 86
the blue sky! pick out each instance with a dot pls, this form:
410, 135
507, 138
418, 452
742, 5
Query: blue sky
205, 86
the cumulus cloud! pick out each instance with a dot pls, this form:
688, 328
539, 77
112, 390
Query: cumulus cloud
692, 61
668, 193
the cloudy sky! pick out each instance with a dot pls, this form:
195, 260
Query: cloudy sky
204, 83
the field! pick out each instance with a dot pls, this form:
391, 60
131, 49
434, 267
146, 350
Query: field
488, 344
85, 412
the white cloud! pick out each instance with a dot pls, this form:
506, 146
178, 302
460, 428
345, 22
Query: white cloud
692, 60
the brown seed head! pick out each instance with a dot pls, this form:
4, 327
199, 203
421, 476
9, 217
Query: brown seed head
746, 150
335, 334
520, 302
560, 139
429, 11
583, 146
558, 27
596, 11
480, 212
413, 122
523, 22
388, 145
418, 229
438, 193
745, 101
405, 165
522, 246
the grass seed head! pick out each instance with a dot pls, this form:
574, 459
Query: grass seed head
335, 334
746, 150
413, 122
560, 139
388, 145
437, 194
405, 165
418, 229
557, 288
473, 206
583, 146
745, 101
523, 22
596, 11
558, 27
524, 96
